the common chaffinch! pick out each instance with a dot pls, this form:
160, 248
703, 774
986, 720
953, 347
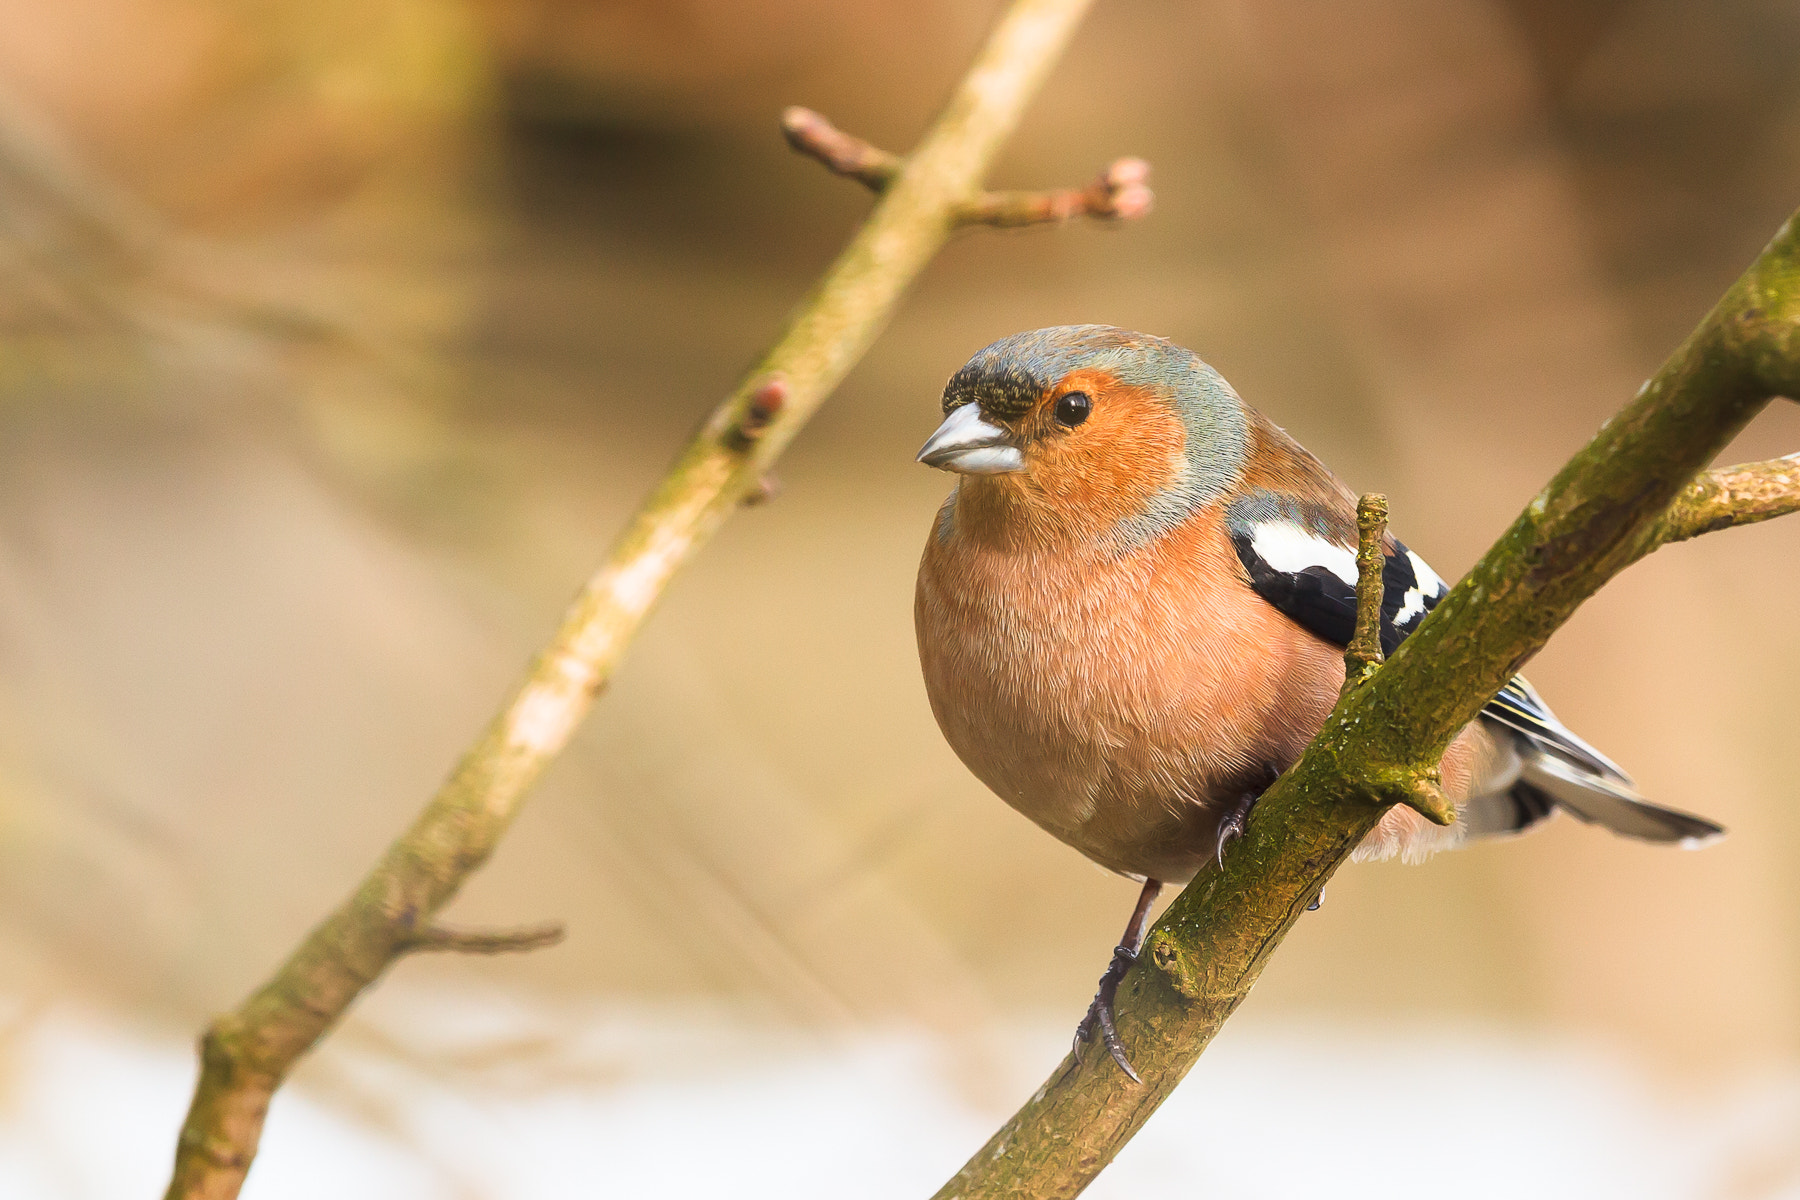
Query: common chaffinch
1131, 613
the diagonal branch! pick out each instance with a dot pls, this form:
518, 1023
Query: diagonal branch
1122, 191
247, 1053
1630, 490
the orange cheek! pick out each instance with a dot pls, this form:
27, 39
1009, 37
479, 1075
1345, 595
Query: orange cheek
1116, 461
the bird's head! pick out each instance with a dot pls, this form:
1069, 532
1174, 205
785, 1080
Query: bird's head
1091, 426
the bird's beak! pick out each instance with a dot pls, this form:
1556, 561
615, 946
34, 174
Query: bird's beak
970, 446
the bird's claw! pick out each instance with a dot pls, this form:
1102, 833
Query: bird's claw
1100, 1013
1231, 825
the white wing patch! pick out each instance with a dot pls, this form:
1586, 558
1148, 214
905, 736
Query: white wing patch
1427, 588
1290, 549
1429, 582
1412, 605
1310, 576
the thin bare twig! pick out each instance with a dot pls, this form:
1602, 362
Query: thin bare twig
1122, 191
246, 1053
485, 941
844, 153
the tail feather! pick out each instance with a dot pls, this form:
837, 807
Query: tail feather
1557, 769
1521, 709
1615, 805
1512, 811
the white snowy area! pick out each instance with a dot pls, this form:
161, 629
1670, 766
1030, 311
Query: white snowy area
687, 1104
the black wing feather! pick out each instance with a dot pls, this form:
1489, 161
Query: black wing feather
1324, 603
1558, 769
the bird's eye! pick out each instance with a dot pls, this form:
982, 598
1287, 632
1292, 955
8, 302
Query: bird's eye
1073, 408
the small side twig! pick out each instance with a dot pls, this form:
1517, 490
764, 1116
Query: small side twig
1729, 496
485, 941
1363, 654
1417, 787
1121, 192
844, 154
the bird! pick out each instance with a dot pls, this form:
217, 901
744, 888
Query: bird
1131, 612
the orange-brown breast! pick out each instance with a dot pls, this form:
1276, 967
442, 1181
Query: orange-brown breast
1125, 698
1123, 702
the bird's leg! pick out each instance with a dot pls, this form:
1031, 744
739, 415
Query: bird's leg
1231, 825
1100, 1012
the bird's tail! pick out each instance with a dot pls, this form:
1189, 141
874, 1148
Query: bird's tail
1533, 765
1549, 780
1557, 769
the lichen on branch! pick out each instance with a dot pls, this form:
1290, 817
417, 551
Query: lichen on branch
1740, 495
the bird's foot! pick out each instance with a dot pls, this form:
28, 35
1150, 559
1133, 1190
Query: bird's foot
1231, 825
1100, 1012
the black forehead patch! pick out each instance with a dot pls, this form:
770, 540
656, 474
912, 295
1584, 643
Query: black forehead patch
1004, 390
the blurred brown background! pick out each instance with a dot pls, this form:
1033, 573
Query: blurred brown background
339, 338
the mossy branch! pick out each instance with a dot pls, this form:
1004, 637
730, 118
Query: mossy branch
248, 1052
1633, 488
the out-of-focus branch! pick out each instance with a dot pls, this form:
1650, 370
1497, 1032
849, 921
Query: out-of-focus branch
844, 153
486, 941
246, 1053
1120, 193
1633, 488
89, 255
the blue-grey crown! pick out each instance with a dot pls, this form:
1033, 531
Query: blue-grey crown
1008, 377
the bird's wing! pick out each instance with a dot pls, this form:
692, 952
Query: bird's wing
1294, 528
1519, 708
1299, 560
